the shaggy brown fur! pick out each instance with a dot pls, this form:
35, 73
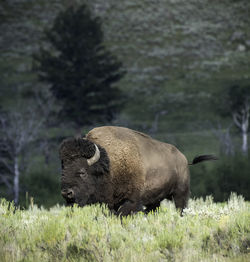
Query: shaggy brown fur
133, 171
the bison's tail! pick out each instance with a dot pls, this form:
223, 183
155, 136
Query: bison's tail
203, 158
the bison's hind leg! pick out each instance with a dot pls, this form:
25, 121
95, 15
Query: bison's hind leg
181, 199
152, 207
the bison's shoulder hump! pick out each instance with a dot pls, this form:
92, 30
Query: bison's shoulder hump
142, 134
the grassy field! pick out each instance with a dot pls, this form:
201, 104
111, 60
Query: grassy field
207, 231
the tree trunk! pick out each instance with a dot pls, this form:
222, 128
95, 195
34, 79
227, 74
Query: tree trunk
16, 180
244, 143
245, 124
241, 120
154, 129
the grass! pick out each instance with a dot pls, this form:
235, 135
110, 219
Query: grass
207, 231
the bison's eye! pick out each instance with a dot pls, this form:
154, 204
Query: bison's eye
83, 175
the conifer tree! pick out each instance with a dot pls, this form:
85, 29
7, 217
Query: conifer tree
82, 73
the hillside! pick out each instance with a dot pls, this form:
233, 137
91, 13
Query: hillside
171, 50
178, 56
177, 52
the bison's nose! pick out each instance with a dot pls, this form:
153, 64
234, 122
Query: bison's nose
68, 193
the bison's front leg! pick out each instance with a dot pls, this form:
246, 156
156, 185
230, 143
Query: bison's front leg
129, 207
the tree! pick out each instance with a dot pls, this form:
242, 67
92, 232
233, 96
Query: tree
233, 103
240, 107
18, 130
80, 70
225, 139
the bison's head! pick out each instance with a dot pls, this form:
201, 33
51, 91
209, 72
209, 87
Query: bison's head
84, 165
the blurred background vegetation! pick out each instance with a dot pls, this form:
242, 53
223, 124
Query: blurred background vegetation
177, 70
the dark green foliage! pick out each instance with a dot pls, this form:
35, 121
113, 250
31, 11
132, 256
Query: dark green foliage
239, 96
229, 174
79, 68
43, 185
233, 176
231, 98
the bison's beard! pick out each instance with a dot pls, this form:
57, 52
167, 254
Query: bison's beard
82, 202
70, 202
79, 202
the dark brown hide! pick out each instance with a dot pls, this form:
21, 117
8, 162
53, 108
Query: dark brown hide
133, 171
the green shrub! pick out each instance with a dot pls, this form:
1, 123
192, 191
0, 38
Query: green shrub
207, 231
229, 174
43, 186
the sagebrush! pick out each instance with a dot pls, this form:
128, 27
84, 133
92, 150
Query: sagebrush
207, 231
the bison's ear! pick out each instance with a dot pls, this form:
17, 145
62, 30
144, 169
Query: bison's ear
73, 148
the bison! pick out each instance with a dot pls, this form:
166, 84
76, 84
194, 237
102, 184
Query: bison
125, 169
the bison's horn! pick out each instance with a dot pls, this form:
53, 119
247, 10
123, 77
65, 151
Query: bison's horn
95, 157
